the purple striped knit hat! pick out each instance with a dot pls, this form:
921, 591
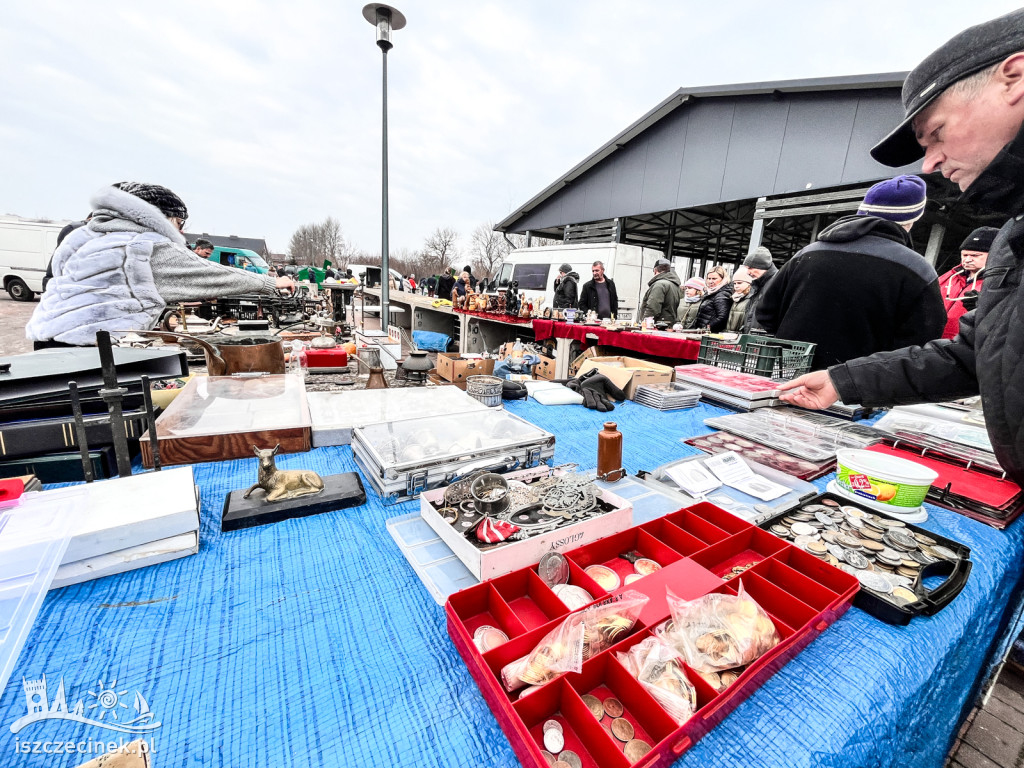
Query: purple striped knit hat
901, 200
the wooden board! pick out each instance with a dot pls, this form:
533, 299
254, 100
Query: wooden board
237, 445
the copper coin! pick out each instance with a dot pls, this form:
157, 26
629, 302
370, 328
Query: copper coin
645, 566
728, 678
548, 756
635, 749
605, 577
622, 729
594, 705
613, 707
486, 638
571, 758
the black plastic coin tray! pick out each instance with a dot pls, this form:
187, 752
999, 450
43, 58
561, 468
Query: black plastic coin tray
931, 599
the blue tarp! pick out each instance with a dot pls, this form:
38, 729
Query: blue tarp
312, 642
431, 340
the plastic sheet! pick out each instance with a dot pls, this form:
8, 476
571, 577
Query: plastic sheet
431, 340
277, 645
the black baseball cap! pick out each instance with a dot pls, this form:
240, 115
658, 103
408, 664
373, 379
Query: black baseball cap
974, 49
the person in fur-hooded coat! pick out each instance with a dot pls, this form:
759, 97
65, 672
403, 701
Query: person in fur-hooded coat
119, 271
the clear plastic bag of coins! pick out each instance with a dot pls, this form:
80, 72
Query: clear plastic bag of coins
578, 637
659, 670
716, 632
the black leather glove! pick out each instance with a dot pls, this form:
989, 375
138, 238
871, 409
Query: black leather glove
598, 391
970, 300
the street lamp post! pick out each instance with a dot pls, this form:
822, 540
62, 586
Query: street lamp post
385, 19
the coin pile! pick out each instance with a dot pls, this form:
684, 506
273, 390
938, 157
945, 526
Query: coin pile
619, 726
554, 739
884, 554
736, 570
721, 680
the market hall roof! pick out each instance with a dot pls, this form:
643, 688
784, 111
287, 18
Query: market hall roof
703, 146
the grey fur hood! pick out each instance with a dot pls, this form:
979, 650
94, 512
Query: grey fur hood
111, 204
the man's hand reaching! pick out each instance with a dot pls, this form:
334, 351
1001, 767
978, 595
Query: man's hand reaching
812, 390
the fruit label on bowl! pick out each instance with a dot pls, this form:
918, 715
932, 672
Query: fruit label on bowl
896, 494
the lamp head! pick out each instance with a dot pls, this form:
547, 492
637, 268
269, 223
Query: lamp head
386, 19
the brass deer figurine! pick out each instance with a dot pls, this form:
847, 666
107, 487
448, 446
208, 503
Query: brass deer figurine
283, 483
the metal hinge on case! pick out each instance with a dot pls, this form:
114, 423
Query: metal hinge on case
416, 483
532, 457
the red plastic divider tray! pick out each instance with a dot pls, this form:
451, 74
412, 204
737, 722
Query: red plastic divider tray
695, 547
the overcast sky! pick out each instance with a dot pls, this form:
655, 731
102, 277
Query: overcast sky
264, 116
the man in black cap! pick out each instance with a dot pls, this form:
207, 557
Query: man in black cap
566, 293
664, 292
961, 285
120, 271
964, 115
762, 269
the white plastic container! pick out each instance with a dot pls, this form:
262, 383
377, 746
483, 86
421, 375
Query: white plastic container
885, 479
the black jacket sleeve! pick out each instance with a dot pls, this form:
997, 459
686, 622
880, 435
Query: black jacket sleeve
769, 311
940, 370
587, 296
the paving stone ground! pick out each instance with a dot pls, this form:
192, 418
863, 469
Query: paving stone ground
993, 736
13, 317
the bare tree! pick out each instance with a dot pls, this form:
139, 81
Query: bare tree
312, 244
488, 248
332, 240
519, 241
440, 251
303, 246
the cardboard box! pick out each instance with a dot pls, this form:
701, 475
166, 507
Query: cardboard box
455, 369
511, 556
545, 369
588, 354
628, 373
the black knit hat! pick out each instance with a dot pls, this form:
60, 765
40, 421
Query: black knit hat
161, 197
980, 240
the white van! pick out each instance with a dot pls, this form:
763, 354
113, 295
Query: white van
536, 269
26, 246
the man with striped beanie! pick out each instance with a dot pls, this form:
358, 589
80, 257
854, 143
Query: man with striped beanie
860, 288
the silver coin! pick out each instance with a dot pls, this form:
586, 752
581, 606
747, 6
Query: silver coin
554, 741
573, 596
571, 759
823, 518
944, 552
553, 569
552, 725
803, 529
836, 551
876, 582
856, 559
854, 522
803, 541
904, 539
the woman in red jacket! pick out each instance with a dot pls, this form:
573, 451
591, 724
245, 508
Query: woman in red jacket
961, 285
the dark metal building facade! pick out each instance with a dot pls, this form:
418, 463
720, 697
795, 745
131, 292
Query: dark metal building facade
711, 172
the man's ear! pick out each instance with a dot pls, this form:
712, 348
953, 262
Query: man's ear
1010, 75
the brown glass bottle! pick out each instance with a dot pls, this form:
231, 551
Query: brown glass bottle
609, 452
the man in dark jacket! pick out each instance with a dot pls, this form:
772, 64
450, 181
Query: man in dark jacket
599, 295
762, 269
565, 287
663, 294
859, 289
964, 114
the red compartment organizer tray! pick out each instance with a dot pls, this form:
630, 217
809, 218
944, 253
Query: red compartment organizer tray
695, 547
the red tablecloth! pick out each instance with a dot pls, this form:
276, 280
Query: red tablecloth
648, 343
493, 316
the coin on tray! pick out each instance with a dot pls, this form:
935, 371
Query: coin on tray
552, 725
605, 577
635, 749
548, 756
594, 705
554, 741
622, 729
613, 707
570, 758
553, 569
645, 566
631, 578
486, 638
574, 597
